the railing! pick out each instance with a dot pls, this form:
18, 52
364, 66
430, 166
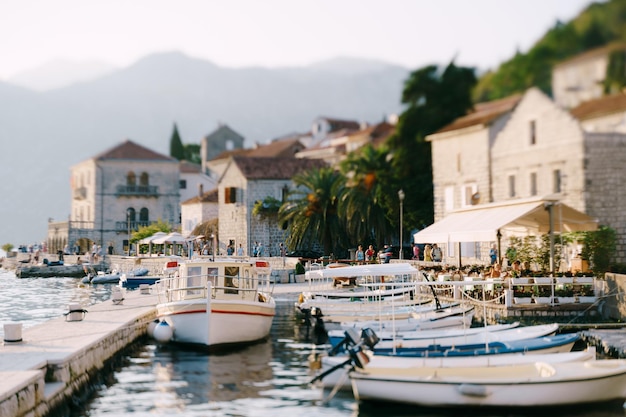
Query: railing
79, 224
141, 190
196, 287
134, 225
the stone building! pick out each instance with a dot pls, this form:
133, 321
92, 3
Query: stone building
221, 140
192, 179
532, 147
582, 77
199, 209
245, 181
114, 193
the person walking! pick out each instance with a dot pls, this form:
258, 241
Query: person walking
369, 253
436, 253
493, 254
428, 253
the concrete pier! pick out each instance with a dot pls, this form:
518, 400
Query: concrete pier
56, 359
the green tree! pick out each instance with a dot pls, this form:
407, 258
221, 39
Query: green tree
147, 231
192, 153
599, 248
7, 247
362, 205
435, 98
311, 210
177, 150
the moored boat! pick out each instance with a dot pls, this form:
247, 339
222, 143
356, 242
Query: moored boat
214, 304
538, 384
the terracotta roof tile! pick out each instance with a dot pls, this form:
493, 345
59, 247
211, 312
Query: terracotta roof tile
484, 113
254, 168
592, 53
132, 150
601, 106
189, 168
277, 148
208, 197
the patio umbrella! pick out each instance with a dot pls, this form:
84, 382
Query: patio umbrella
150, 239
173, 238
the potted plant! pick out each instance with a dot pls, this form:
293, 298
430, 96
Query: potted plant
300, 273
542, 294
586, 294
522, 295
564, 295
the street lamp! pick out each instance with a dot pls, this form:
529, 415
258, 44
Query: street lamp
401, 197
128, 224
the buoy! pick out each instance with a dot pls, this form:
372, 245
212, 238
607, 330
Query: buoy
151, 327
163, 332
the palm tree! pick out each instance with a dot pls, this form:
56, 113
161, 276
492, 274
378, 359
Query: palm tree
366, 200
311, 210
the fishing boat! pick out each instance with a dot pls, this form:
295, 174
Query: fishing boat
334, 369
215, 303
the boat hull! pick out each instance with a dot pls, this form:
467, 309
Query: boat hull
227, 322
535, 385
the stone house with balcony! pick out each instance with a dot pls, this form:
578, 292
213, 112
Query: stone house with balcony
116, 192
245, 181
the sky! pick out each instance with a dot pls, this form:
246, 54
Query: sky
274, 33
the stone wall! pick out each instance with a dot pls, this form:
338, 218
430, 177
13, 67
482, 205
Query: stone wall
605, 193
614, 306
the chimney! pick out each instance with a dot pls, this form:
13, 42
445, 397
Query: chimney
200, 190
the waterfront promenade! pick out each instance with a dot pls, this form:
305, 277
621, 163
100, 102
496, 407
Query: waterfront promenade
56, 359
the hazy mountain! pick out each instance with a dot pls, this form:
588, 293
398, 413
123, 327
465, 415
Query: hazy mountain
44, 133
60, 73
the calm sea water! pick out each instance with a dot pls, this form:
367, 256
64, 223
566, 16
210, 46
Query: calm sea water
267, 379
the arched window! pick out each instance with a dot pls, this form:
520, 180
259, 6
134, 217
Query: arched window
130, 213
144, 215
130, 178
144, 179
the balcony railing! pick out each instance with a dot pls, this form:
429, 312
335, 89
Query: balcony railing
138, 190
134, 225
78, 224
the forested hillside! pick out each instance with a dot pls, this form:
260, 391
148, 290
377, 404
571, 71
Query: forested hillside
598, 25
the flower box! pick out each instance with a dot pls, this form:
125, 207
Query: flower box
584, 299
519, 281
522, 300
543, 280
543, 300
566, 300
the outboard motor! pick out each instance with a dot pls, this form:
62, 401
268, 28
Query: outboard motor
354, 345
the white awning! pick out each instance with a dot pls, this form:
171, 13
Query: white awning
481, 223
363, 270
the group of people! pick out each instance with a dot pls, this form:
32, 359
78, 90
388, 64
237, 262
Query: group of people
433, 253
367, 255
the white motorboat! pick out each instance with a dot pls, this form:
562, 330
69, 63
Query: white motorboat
430, 334
216, 303
538, 384
415, 340
336, 368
